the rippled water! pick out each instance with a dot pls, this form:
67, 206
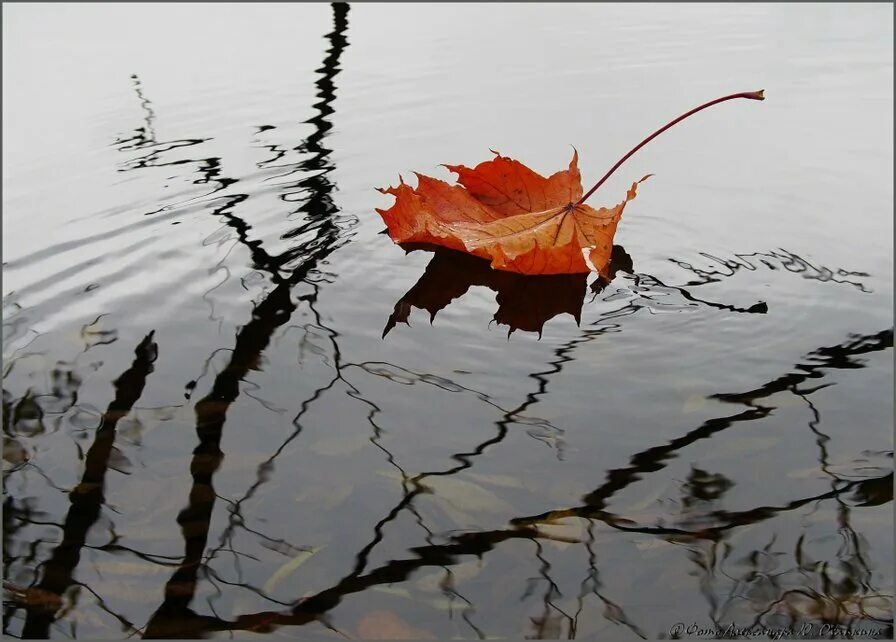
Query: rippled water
206, 432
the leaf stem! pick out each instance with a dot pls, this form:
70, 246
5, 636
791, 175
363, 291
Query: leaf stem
752, 95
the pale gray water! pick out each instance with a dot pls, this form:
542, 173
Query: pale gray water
708, 459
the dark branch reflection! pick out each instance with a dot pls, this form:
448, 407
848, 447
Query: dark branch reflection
774, 260
87, 497
174, 618
656, 458
472, 544
524, 303
702, 487
528, 302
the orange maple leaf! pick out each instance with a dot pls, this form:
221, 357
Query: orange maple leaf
505, 212
519, 220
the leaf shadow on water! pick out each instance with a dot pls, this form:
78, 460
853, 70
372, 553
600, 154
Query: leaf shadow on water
524, 302
528, 302
703, 528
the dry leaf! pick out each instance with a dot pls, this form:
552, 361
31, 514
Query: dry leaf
505, 212
287, 569
466, 496
454, 575
514, 217
385, 625
33, 597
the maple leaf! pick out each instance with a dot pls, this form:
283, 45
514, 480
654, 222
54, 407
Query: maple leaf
385, 625
516, 218
507, 213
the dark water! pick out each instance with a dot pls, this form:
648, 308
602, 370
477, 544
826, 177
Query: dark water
205, 433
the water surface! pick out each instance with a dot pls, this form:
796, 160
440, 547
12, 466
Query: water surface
206, 432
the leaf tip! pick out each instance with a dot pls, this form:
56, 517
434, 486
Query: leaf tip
456, 169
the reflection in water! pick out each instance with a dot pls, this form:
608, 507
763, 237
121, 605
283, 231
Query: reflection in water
840, 357
592, 585
86, 500
174, 618
312, 608
702, 522
706, 524
144, 136
524, 302
527, 303
780, 259
293, 266
701, 489
43, 583
655, 459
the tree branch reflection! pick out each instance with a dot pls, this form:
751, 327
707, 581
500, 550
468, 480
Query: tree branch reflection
174, 616
87, 498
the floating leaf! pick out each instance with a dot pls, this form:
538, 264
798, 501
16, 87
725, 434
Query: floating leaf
458, 499
325, 496
340, 444
456, 574
439, 603
519, 220
385, 625
397, 591
505, 212
14, 452
467, 496
287, 569
563, 534
33, 597
507, 481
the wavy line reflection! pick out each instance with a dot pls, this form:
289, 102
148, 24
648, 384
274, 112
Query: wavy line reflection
87, 500
219, 537
528, 302
174, 616
701, 488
